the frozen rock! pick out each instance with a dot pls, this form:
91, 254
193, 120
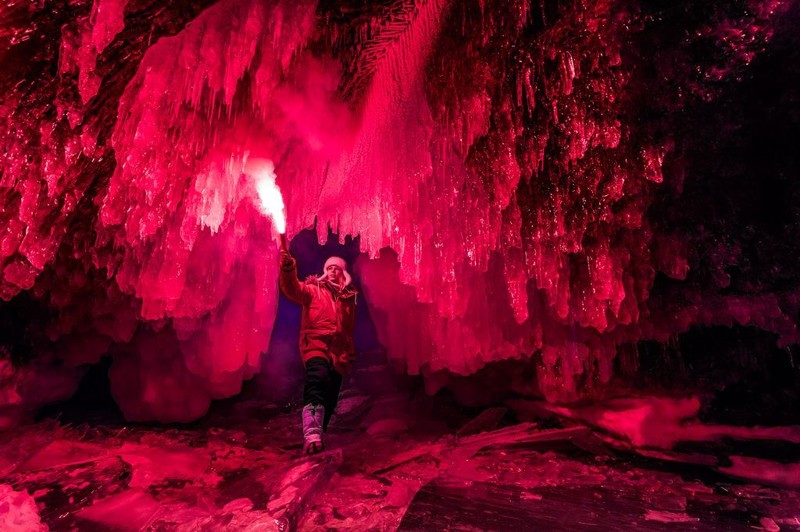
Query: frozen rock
348, 406
300, 483
238, 505
18, 511
769, 524
154, 465
764, 471
130, 510
661, 422
389, 426
486, 420
24, 389
669, 517
62, 453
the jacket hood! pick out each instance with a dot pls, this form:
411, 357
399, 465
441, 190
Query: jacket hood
340, 262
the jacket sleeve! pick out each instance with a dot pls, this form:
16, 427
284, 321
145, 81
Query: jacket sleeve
292, 287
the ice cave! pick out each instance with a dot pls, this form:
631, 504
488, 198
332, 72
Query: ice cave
567, 292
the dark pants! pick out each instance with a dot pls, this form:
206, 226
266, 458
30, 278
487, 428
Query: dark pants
322, 386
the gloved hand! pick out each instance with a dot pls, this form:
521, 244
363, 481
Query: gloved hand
287, 261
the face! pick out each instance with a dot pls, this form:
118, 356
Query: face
335, 274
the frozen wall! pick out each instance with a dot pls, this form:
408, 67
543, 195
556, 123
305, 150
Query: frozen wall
528, 180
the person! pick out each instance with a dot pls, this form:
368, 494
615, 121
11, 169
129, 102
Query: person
326, 339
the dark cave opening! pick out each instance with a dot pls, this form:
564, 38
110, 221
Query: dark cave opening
91, 403
281, 372
18, 320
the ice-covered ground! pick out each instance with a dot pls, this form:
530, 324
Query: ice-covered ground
399, 459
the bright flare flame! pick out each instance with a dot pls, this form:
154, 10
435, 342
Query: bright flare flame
269, 195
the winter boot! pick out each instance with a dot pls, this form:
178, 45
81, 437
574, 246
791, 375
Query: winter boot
312, 428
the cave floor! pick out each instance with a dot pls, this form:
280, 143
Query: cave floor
395, 460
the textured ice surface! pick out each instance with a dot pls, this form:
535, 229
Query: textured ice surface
18, 511
512, 169
242, 468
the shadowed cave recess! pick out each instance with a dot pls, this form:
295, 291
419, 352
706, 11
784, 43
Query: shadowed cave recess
565, 213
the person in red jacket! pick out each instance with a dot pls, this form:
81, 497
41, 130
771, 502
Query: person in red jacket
326, 339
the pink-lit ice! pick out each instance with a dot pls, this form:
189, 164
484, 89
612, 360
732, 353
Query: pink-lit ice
18, 511
498, 180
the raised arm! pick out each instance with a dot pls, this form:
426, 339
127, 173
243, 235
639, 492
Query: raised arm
289, 283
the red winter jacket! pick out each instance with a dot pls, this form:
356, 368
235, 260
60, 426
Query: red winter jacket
329, 317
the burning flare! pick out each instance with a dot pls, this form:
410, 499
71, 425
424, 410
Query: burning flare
269, 194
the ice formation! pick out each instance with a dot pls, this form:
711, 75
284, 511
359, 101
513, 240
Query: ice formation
516, 172
18, 511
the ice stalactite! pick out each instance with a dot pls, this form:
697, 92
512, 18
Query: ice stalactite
547, 171
182, 215
81, 46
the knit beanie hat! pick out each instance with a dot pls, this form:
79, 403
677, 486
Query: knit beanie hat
338, 261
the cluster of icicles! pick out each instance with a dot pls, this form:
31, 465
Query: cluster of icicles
499, 199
